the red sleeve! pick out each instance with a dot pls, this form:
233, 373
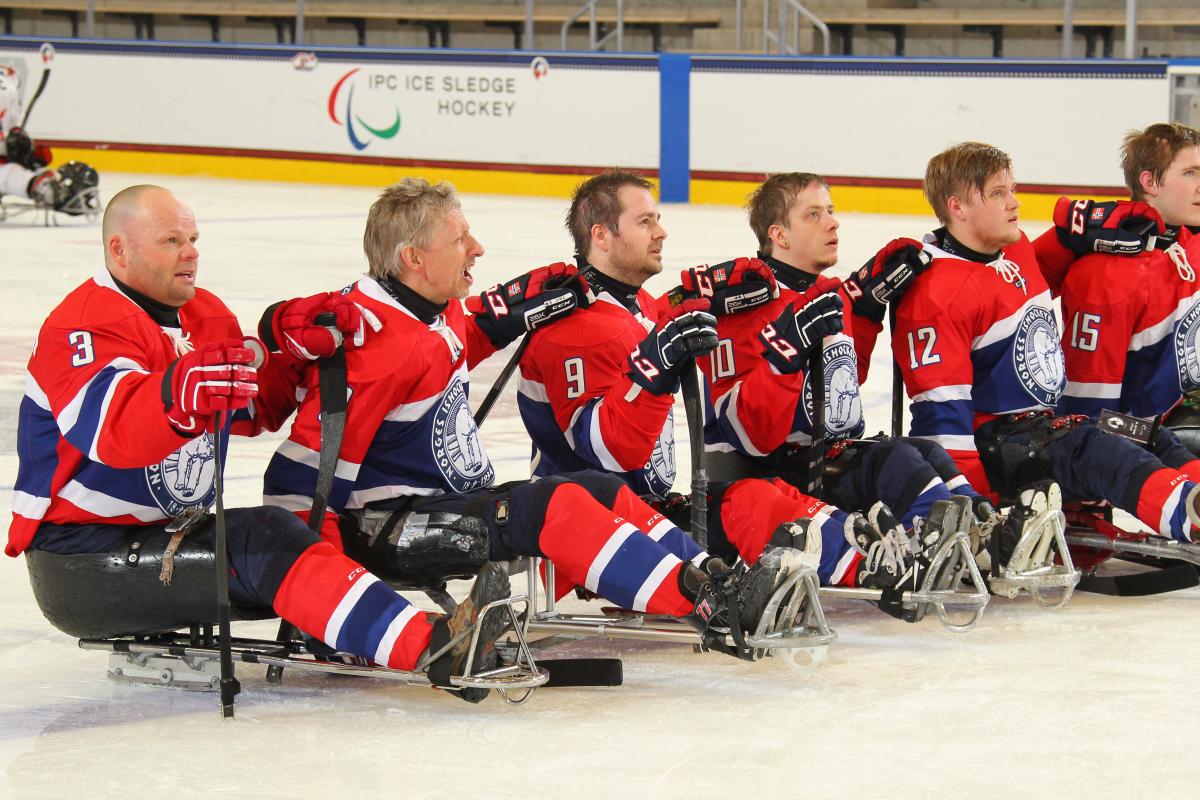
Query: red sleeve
1054, 259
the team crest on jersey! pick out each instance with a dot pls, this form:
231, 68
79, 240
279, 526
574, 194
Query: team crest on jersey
660, 471
843, 405
184, 478
1187, 349
457, 448
1038, 356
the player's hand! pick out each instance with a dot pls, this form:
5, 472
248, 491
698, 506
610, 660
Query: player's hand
803, 324
658, 362
18, 148
526, 303
731, 286
292, 325
1120, 227
885, 276
214, 377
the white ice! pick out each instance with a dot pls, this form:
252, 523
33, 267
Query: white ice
1099, 700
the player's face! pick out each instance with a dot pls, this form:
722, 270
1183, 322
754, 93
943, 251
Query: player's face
447, 262
989, 218
635, 253
157, 252
809, 240
1177, 195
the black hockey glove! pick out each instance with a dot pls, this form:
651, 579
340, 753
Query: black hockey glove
18, 149
803, 324
526, 303
732, 286
885, 276
1122, 227
658, 362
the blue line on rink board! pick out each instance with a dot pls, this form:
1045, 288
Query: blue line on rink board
674, 128
514, 58
998, 68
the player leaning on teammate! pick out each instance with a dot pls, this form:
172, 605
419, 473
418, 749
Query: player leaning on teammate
1132, 319
116, 436
597, 389
413, 486
978, 344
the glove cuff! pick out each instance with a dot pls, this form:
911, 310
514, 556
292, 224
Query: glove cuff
266, 327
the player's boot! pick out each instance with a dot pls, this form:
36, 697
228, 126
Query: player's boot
490, 585
888, 563
1031, 503
738, 600
987, 519
894, 561
802, 537
45, 189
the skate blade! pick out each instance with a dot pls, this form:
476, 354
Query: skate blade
1032, 566
793, 618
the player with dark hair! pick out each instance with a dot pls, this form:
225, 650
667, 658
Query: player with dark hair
413, 482
597, 389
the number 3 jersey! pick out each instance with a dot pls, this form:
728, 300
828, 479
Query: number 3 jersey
408, 428
1132, 330
580, 406
976, 338
98, 364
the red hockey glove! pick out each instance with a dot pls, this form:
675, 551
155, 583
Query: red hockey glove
1121, 227
885, 276
506, 311
215, 377
803, 324
732, 286
687, 331
291, 325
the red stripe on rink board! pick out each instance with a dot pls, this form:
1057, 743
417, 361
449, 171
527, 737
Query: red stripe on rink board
912, 183
294, 155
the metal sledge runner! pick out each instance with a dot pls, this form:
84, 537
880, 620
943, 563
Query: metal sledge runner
191, 659
793, 620
951, 581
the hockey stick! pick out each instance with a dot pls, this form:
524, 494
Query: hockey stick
331, 385
229, 684
816, 379
502, 381
41, 87
690, 384
897, 382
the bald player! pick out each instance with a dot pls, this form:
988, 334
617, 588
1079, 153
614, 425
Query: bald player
117, 434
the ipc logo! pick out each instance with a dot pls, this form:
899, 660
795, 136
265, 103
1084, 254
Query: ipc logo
358, 139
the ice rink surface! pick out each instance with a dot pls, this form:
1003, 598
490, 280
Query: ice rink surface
1099, 700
